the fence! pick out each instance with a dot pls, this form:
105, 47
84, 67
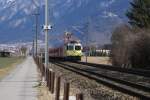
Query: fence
50, 81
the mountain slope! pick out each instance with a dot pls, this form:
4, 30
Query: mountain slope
17, 21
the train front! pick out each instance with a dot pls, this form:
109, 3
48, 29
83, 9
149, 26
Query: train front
73, 51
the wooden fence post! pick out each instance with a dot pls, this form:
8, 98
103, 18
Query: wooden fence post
52, 82
43, 69
47, 76
79, 96
66, 91
49, 85
48, 81
57, 88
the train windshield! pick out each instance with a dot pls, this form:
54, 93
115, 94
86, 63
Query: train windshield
77, 47
70, 47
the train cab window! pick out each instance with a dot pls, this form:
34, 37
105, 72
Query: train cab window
70, 47
77, 47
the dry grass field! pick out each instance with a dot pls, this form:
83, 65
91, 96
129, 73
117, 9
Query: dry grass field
97, 60
7, 64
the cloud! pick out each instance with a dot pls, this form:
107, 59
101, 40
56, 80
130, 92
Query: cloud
69, 1
2, 18
107, 3
18, 22
109, 14
56, 14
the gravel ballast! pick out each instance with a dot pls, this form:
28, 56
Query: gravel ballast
91, 89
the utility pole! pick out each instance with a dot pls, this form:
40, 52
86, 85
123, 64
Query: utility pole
86, 41
36, 32
47, 27
33, 48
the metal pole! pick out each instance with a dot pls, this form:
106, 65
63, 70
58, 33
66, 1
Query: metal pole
87, 52
47, 27
46, 35
87, 40
36, 15
36, 32
33, 48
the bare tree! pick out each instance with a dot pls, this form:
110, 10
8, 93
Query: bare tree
130, 47
23, 50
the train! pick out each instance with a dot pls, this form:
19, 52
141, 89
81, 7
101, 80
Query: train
69, 51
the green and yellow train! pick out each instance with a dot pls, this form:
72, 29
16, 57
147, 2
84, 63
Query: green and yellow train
69, 51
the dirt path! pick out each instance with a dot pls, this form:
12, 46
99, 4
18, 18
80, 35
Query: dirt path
20, 83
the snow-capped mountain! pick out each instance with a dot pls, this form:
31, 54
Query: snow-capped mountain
17, 20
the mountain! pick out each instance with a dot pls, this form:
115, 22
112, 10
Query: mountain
102, 16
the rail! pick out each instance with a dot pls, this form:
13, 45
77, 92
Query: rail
140, 72
134, 89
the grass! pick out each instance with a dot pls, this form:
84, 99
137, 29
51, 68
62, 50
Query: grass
8, 61
7, 64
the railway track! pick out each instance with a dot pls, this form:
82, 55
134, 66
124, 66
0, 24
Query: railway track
131, 88
140, 72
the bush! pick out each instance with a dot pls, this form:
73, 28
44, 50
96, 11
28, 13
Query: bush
140, 55
130, 47
121, 41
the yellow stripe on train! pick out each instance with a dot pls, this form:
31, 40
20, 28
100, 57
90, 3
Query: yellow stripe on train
73, 53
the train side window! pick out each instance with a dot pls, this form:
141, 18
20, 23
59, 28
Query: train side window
69, 47
77, 47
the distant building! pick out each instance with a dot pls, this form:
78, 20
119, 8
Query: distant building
104, 50
5, 54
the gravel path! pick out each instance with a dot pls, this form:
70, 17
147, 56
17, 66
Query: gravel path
21, 83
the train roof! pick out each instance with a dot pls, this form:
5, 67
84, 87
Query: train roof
74, 42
